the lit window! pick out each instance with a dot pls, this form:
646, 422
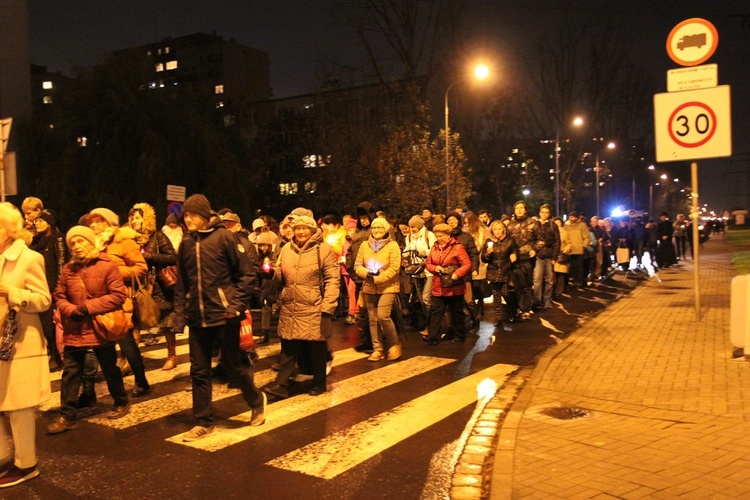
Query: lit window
158, 51
166, 50
288, 188
171, 65
148, 52
400, 178
152, 85
47, 85
314, 161
219, 105
310, 187
159, 67
51, 126
47, 99
82, 141
219, 89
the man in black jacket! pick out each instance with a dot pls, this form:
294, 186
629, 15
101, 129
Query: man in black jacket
544, 273
527, 233
212, 292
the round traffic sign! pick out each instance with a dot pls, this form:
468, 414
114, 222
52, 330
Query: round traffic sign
692, 124
175, 207
692, 42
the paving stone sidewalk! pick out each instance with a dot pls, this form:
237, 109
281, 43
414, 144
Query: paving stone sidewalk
668, 407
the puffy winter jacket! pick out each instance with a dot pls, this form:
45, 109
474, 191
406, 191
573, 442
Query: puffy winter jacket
528, 235
126, 254
498, 261
213, 281
299, 273
452, 254
104, 291
379, 255
550, 238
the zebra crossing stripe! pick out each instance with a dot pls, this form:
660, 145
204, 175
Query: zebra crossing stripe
293, 409
176, 402
339, 452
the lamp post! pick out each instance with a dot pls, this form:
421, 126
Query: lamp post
577, 121
480, 72
611, 145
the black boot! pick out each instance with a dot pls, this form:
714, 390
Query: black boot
87, 399
264, 337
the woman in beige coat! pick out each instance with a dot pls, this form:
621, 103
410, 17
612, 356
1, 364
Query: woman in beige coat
309, 274
378, 262
24, 379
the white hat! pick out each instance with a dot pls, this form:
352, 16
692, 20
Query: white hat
258, 223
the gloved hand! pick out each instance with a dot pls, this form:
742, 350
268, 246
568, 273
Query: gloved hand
79, 313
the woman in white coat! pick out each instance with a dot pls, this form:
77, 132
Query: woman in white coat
24, 379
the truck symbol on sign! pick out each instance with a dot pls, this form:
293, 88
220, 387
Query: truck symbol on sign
686, 41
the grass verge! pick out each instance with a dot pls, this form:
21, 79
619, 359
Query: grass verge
740, 259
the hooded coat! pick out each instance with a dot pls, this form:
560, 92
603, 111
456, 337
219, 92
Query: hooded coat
120, 245
453, 254
24, 380
299, 274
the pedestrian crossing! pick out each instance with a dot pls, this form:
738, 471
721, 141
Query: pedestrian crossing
332, 454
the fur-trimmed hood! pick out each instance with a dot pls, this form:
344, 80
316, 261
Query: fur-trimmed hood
149, 217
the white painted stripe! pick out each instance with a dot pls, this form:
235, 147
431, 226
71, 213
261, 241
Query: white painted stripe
157, 375
177, 402
339, 452
290, 410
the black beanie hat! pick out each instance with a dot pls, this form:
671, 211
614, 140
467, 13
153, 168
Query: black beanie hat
198, 204
49, 217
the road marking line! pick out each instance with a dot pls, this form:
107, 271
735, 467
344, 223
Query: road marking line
293, 409
180, 401
339, 452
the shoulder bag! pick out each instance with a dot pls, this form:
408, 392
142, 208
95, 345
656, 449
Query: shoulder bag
146, 309
110, 326
10, 327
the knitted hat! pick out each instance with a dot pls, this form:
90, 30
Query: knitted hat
573, 214
350, 224
83, 232
171, 219
48, 216
197, 204
258, 223
379, 221
266, 238
108, 215
231, 217
304, 220
417, 222
442, 228
299, 211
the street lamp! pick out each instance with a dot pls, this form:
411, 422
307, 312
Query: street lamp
611, 145
480, 73
577, 121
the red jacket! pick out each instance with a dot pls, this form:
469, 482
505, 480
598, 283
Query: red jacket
104, 292
454, 254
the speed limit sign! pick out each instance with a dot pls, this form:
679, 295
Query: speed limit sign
693, 125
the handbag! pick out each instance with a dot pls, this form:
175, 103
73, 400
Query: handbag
414, 269
167, 277
10, 327
446, 280
623, 255
114, 325
560, 267
247, 343
146, 309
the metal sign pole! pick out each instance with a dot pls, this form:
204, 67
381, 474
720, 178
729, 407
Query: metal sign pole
695, 215
5, 125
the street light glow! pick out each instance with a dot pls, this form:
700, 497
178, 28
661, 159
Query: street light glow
526, 192
481, 72
611, 145
577, 121
664, 176
651, 167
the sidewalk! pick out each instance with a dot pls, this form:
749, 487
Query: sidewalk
667, 409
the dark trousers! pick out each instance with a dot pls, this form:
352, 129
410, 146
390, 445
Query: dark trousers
441, 304
575, 270
73, 365
313, 352
500, 292
48, 327
131, 352
238, 366
525, 296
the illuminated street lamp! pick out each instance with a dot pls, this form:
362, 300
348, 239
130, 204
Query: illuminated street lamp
480, 73
526, 192
610, 145
577, 121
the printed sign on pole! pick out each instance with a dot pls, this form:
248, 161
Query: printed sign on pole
693, 125
692, 42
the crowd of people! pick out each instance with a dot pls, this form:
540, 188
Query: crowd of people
205, 272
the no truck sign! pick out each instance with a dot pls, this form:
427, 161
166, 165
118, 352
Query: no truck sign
692, 42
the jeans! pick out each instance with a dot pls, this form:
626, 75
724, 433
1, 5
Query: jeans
544, 282
73, 362
379, 308
238, 366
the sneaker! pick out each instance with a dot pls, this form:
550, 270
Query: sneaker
118, 412
350, 320
525, 316
149, 340
303, 377
16, 476
363, 348
394, 352
259, 413
197, 432
376, 356
278, 390
61, 424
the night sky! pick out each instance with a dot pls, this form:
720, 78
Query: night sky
303, 36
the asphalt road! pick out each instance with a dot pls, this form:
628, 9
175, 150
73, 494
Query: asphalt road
383, 430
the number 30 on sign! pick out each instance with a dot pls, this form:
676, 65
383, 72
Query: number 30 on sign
693, 125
